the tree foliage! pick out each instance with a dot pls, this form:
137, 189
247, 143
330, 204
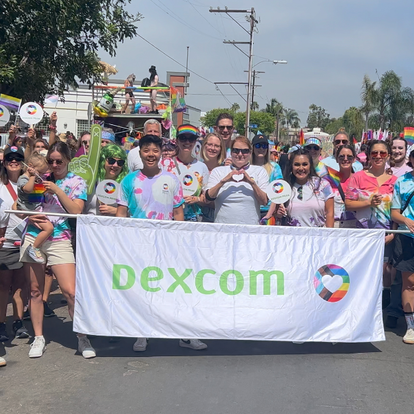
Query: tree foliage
318, 117
47, 46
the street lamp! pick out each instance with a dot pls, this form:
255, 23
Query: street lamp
252, 83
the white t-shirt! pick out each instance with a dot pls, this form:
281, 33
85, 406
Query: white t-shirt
11, 220
134, 160
236, 202
399, 171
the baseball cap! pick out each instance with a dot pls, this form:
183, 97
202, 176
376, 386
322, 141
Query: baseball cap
188, 130
259, 139
9, 152
313, 141
294, 148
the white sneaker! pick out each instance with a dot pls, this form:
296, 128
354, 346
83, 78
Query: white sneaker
140, 345
193, 344
409, 336
37, 347
85, 347
3, 362
35, 254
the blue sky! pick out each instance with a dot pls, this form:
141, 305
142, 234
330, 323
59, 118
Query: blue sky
329, 46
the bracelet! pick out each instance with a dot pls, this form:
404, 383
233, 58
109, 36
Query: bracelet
52, 127
208, 196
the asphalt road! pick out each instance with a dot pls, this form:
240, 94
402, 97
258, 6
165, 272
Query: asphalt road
230, 377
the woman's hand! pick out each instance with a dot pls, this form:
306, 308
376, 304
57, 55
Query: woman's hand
105, 210
409, 223
281, 211
229, 176
376, 200
191, 200
228, 161
51, 188
53, 118
247, 178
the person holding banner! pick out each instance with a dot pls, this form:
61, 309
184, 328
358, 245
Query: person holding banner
112, 166
187, 166
238, 189
312, 201
11, 270
65, 193
153, 193
402, 212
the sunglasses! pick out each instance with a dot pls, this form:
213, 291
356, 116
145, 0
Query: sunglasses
382, 154
312, 147
263, 146
300, 193
187, 138
15, 159
244, 151
112, 161
58, 162
223, 127
341, 141
86, 143
348, 157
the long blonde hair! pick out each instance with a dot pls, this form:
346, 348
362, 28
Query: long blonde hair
222, 155
267, 165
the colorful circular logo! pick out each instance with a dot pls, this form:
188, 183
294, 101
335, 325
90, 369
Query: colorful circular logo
1, 112
31, 110
165, 186
277, 188
331, 282
109, 188
188, 180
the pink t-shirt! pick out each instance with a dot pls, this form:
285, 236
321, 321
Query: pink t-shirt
362, 187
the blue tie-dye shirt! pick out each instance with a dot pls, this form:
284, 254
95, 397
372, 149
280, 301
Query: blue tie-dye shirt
403, 188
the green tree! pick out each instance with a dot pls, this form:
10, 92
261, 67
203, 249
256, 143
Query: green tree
334, 125
317, 118
235, 107
291, 118
265, 122
47, 46
210, 117
254, 106
369, 98
276, 109
353, 121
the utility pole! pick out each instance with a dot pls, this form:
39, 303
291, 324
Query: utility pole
251, 18
255, 72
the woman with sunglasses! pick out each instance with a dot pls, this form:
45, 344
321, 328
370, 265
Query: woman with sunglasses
186, 139
112, 166
370, 192
11, 270
311, 203
402, 212
314, 146
345, 156
238, 189
65, 193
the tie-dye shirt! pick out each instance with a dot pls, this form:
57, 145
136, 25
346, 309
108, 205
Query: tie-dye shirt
363, 187
151, 197
75, 188
339, 206
403, 188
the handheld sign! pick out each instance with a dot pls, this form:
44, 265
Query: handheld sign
4, 115
189, 182
279, 191
31, 113
107, 192
86, 166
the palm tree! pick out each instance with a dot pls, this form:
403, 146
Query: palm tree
276, 109
235, 107
369, 98
254, 106
291, 117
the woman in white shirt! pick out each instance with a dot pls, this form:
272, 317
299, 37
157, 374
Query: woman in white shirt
238, 189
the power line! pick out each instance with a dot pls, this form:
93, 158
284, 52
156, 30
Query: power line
223, 95
176, 61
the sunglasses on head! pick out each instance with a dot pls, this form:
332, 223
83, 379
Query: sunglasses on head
348, 157
263, 146
312, 147
223, 127
382, 154
112, 161
188, 138
244, 151
341, 141
58, 162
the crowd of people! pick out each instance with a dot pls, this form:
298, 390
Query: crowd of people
369, 187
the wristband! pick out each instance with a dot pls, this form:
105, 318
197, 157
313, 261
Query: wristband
52, 127
208, 196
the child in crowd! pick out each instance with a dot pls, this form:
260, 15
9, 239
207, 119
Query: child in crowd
30, 197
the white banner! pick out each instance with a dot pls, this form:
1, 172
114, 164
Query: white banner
166, 279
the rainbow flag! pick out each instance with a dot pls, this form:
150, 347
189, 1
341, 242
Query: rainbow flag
409, 135
301, 137
333, 177
10, 102
37, 196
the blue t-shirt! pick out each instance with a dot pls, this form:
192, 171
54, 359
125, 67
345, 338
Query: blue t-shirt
403, 188
151, 197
